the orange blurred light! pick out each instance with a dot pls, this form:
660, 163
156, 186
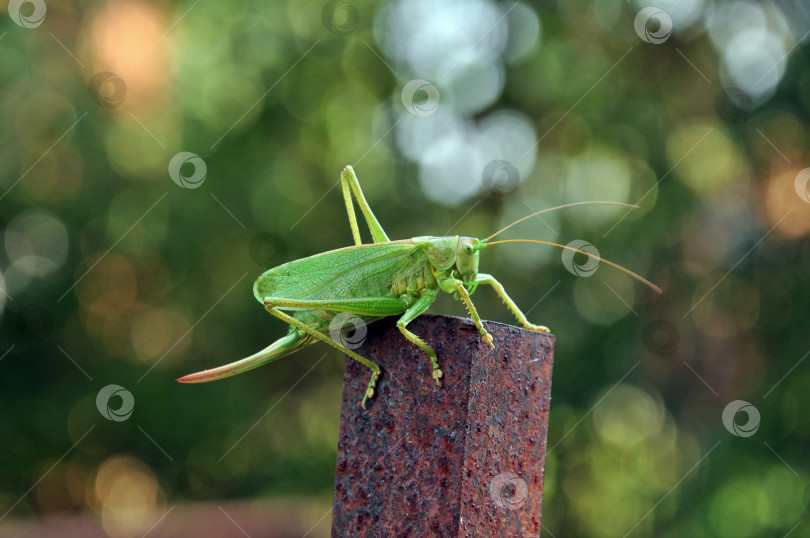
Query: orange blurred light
783, 205
128, 496
132, 40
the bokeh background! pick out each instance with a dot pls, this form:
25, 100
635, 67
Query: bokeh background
127, 262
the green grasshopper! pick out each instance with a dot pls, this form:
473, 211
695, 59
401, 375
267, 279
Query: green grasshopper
370, 281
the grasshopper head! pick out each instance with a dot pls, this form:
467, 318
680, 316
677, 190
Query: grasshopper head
467, 258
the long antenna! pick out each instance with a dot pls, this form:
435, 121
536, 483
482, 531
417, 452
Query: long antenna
565, 206
594, 256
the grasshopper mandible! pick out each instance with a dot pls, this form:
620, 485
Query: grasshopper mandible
370, 281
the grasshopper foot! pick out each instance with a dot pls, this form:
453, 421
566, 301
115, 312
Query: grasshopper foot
369, 394
538, 328
485, 336
370, 390
437, 372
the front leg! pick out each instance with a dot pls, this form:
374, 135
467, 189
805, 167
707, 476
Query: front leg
521, 317
450, 285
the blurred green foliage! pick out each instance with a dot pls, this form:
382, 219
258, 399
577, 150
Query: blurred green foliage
116, 275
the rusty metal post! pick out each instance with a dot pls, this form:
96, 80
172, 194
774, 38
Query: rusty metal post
466, 459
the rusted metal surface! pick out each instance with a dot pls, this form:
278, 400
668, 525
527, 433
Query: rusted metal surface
466, 459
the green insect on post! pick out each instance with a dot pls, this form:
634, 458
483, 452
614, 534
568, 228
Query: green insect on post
383, 278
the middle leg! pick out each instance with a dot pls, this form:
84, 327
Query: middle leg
418, 308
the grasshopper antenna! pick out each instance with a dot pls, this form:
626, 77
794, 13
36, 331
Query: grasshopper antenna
564, 206
594, 256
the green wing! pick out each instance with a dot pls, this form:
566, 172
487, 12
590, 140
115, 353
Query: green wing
348, 273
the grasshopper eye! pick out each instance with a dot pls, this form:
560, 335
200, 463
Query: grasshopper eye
468, 248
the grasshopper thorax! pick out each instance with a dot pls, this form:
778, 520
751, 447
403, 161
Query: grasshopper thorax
452, 252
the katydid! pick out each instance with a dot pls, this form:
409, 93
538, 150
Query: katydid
370, 281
